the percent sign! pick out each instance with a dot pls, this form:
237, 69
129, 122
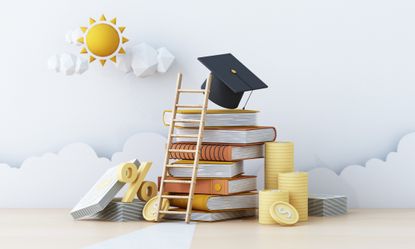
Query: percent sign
129, 173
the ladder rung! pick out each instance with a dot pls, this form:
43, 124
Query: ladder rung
183, 135
175, 196
179, 166
191, 91
171, 212
178, 181
184, 151
189, 106
187, 120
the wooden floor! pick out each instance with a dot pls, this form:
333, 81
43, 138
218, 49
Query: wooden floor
361, 228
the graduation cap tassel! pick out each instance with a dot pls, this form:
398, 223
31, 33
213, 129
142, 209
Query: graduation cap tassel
246, 102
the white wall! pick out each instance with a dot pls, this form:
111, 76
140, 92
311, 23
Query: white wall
340, 73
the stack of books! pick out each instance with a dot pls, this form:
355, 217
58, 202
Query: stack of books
222, 190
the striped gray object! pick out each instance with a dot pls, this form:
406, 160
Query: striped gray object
102, 203
120, 211
101, 194
326, 205
214, 216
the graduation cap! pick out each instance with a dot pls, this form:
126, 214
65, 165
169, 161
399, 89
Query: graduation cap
230, 79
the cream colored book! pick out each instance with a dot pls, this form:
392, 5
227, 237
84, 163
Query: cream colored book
214, 216
211, 169
214, 117
217, 202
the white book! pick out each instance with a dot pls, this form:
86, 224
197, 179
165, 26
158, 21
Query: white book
219, 117
230, 135
211, 169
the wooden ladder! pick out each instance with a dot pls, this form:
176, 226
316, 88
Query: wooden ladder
196, 151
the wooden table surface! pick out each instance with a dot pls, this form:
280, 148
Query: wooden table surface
361, 228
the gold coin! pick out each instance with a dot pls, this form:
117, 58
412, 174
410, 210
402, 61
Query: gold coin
281, 163
150, 209
279, 145
284, 213
297, 174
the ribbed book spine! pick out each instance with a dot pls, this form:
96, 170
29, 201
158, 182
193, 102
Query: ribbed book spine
208, 152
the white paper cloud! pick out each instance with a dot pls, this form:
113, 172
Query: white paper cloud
378, 184
141, 59
60, 180
67, 63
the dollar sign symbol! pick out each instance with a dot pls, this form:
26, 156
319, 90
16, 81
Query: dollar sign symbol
283, 211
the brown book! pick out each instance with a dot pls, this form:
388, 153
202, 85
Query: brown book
213, 186
218, 152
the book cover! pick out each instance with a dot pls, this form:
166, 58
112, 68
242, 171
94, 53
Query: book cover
230, 135
219, 152
213, 186
208, 169
213, 216
217, 202
214, 117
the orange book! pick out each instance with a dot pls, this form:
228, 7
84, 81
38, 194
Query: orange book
213, 186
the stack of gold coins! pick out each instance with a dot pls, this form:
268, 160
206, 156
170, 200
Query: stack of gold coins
297, 184
279, 158
266, 199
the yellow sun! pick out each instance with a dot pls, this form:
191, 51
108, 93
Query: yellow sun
102, 40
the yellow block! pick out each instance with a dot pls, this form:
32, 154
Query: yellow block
266, 199
297, 184
279, 158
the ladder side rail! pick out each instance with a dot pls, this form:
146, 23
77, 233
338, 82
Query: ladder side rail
198, 147
169, 142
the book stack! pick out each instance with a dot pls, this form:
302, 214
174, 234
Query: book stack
222, 191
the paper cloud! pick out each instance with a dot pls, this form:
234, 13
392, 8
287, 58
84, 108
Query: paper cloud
141, 59
146, 61
68, 64
60, 180
378, 184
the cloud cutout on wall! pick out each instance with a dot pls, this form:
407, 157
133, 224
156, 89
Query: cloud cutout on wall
378, 184
60, 180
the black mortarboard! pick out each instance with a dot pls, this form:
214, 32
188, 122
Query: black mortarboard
230, 80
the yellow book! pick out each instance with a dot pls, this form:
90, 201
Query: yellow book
214, 117
216, 202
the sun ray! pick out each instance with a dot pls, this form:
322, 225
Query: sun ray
81, 40
91, 21
102, 18
114, 59
114, 21
84, 51
91, 58
121, 51
121, 29
84, 29
102, 62
124, 40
